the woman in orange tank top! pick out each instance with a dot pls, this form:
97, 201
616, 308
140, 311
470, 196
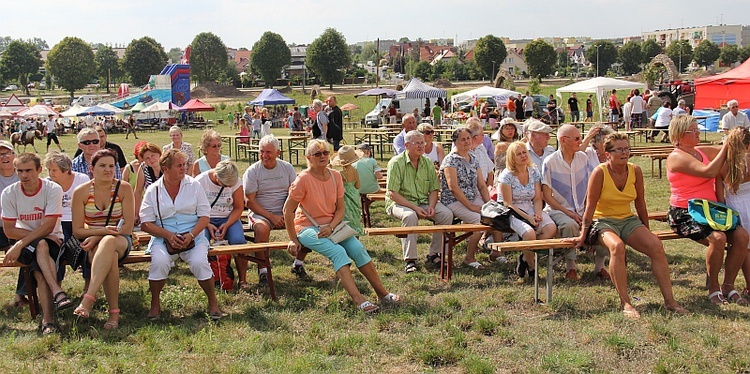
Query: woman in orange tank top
613, 186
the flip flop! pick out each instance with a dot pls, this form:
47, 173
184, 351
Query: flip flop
368, 307
476, 265
390, 298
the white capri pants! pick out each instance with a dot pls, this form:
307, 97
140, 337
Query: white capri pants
197, 259
465, 214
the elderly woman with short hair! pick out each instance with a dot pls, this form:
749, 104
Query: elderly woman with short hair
320, 127
224, 193
319, 192
175, 133
211, 149
175, 210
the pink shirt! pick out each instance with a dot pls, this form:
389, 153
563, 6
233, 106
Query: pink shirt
685, 187
317, 197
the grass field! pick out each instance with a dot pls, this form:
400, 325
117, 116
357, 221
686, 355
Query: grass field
480, 322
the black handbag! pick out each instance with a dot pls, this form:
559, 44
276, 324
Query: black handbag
497, 215
71, 251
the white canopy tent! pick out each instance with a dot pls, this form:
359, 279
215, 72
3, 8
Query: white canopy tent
157, 110
500, 95
601, 86
415, 89
73, 111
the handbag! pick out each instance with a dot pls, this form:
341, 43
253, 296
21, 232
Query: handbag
170, 249
342, 231
713, 214
497, 215
71, 251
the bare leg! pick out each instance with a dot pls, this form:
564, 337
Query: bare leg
368, 270
617, 269
528, 256
48, 266
717, 241
208, 287
45, 298
471, 247
347, 281
107, 251
736, 255
156, 286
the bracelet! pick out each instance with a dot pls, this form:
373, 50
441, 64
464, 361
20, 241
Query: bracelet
191, 234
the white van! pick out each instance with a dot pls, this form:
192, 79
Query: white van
403, 106
87, 100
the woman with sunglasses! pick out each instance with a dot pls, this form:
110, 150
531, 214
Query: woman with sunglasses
434, 152
320, 192
609, 221
692, 172
211, 149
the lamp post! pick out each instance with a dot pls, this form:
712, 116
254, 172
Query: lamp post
492, 78
597, 59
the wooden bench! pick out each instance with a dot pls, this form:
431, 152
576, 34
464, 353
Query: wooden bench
550, 245
450, 239
367, 200
658, 157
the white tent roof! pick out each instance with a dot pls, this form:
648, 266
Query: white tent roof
417, 90
600, 86
39, 110
73, 111
500, 95
111, 107
160, 107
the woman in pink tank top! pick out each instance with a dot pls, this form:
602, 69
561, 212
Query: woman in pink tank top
691, 172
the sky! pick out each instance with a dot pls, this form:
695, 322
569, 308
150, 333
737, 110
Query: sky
240, 23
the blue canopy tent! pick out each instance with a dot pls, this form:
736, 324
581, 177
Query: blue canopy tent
96, 111
271, 96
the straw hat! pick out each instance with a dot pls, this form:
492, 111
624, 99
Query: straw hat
345, 156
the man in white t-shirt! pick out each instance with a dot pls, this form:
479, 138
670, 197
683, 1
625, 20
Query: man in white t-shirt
637, 106
266, 185
50, 127
528, 106
734, 118
31, 215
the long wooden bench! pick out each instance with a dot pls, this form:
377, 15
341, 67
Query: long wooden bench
450, 239
550, 245
367, 200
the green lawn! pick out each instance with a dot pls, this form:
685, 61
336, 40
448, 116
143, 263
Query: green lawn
480, 322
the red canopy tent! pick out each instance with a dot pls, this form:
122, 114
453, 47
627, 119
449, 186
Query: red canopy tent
195, 105
715, 91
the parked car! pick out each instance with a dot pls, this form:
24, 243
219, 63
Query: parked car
12, 87
31, 85
540, 109
48, 102
466, 106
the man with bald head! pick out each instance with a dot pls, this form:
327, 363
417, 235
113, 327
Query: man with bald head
565, 176
409, 123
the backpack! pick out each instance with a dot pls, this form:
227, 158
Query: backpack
497, 215
221, 266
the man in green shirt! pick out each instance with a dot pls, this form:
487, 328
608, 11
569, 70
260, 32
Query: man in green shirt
437, 115
412, 193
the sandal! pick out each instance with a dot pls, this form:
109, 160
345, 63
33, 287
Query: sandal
81, 310
476, 265
49, 328
215, 316
368, 307
112, 325
411, 267
720, 300
20, 301
433, 259
498, 256
739, 300
390, 298
63, 303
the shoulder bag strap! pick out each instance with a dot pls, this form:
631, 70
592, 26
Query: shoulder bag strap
158, 210
312, 220
217, 196
112, 204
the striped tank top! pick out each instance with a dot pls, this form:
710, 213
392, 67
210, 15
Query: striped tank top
95, 217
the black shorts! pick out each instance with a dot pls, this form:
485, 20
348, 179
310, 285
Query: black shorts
28, 256
52, 136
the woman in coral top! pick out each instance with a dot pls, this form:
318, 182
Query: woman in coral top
692, 172
320, 192
608, 221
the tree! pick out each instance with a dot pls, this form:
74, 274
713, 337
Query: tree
744, 53
107, 65
437, 70
175, 55
729, 54
489, 53
208, 59
328, 56
20, 60
602, 54
270, 55
649, 50
143, 58
369, 52
71, 62
706, 53
681, 53
422, 70
39, 43
630, 56
540, 58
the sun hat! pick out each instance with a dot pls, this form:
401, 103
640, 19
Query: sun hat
538, 126
6, 144
345, 156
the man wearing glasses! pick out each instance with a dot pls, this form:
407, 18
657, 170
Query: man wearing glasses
412, 194
538, 145
734, 118
565, 175
88, 143
409, 123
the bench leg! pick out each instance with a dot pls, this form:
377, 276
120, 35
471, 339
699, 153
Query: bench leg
271, 288
31, 291
550, 262
536, 277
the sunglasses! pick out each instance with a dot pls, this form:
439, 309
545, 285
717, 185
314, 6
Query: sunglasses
321, 154
89, 142
428, 132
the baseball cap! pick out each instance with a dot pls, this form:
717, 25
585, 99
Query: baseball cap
538, 126
6, 144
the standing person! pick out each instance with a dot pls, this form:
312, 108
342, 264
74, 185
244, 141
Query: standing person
409, 201
463, 189
50, 128
692, 172
663, 118
244, 132
528, 106
511, 108
320, 192
680, 110
248, 116
103, 217
610, 222
437, 115
614, 107
179, 217
345, 157
589, 109
575, 114
32, 208
175, 133
320, 128
335, 124
637, 107
519, 108
266, 186
130, 127
89, 143
257, 123
520, 186
211, 148
734, 118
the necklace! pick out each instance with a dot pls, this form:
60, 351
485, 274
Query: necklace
691, 152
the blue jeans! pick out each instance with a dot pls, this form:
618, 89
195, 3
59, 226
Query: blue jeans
235, 234
340, 254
